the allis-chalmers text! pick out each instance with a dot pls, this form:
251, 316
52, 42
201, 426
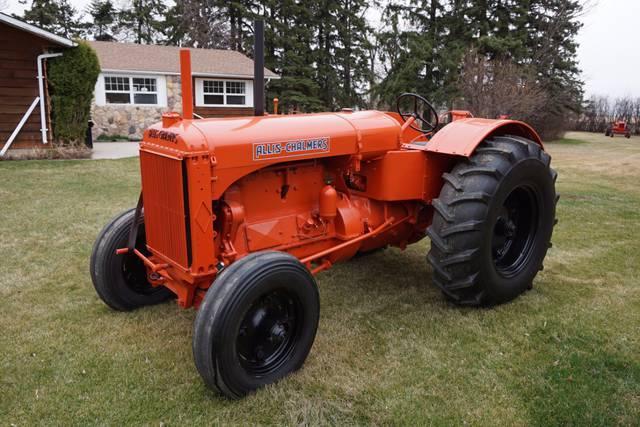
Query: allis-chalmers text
295, 148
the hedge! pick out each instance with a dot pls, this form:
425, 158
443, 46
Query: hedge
72, 78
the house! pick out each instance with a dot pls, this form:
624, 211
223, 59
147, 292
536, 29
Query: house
138, 83
24, 97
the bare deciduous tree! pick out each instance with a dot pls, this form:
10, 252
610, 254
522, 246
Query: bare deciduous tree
493, 88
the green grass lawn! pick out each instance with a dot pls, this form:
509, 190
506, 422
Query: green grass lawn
389, 349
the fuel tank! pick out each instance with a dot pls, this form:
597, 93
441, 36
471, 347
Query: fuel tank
238, 146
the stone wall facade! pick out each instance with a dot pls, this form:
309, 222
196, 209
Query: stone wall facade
130, 121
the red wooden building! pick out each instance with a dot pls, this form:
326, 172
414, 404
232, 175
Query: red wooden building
24, 100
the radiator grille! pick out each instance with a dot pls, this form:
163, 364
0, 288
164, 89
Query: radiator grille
164, 192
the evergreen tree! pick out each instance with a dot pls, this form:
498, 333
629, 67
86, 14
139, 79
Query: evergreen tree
141, 20
103, 15
553, 26
324, 15
56, 16
329, 57
69, 24
319, 48
291, 56
415, 55
425, 43
239, 14
350, 53
175, 27
42, 13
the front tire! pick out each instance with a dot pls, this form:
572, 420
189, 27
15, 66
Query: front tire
493, 222
256, 324
121, 280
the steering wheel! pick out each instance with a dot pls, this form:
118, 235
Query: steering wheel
418, 113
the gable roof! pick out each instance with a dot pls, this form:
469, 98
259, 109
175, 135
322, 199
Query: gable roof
21, 25
157, 59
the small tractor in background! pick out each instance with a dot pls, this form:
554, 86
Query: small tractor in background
237, 215
618, 127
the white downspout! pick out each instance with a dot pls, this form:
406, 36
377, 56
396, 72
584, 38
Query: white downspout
43, 118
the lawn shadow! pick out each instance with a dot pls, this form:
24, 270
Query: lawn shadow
386, 278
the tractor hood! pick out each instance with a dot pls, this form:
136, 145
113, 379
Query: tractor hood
238, 146
244, 141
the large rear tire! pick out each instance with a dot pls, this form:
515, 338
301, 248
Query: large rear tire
256, 324
493, 222
121, 280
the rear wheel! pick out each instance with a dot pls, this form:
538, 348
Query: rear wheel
493, 222
257, 323
121, 280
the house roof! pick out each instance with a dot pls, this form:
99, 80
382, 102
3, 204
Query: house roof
16, 23
156, 59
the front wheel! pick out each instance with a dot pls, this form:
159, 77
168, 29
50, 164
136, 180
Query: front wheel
121, 280
257, 323
493, 222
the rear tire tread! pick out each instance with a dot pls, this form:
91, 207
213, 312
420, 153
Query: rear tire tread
481, 170
459, 218
437, 240
479, 196
472, 225
442, 209
453, 180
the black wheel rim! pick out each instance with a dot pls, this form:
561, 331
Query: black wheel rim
514, 232
268, 333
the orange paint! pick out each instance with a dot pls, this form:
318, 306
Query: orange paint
187, 84
216, 190
328, 203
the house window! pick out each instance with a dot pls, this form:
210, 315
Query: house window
144, 91
224, 92
131, 90
117, 90
213, 92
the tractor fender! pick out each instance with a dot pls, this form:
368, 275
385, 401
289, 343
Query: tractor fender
461, 137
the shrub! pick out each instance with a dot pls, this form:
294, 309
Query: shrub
72, 78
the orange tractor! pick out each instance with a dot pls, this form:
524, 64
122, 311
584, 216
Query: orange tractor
619, 127
237, 216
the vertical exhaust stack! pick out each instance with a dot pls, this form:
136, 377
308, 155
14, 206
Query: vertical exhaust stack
258, 68
187, 85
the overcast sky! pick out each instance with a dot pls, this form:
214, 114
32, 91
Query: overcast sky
608, 53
